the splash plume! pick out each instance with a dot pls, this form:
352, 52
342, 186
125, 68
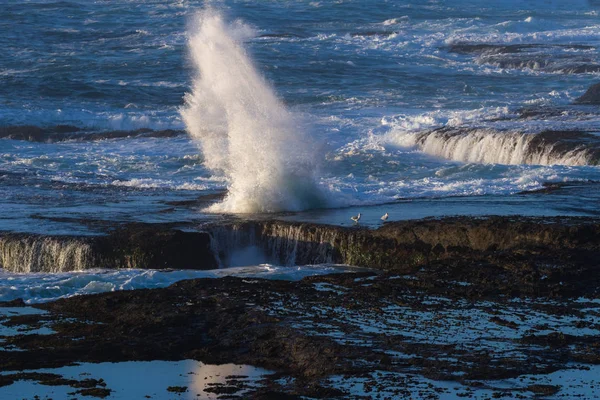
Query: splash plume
244, 130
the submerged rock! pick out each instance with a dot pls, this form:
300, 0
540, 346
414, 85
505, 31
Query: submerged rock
61, 133
488, 48
553, 58
591, 96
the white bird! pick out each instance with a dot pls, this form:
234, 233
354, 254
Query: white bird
384, 217
355, 218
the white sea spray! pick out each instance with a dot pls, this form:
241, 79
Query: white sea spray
244, 130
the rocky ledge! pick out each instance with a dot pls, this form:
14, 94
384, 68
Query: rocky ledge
568, 243
62, 133
464, 307
129, 246
443, 330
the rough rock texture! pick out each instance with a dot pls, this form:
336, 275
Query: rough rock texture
144, 246
131, 246
591, 96
406, 245
471, 301
448, 321
566, 59
470, 48
397, 246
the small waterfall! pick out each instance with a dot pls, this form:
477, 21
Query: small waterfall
488, 146
299, 244
277, 243
28, 253
236, 245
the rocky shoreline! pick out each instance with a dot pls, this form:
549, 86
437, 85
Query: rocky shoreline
396, 246
462, 304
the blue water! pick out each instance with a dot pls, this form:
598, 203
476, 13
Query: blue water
43, 287
364, 75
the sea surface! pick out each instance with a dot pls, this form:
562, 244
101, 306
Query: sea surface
307, 110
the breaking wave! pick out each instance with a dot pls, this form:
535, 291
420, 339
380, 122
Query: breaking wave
489, 146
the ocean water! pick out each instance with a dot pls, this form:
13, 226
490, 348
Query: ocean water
314, 109
312, 105
43, 287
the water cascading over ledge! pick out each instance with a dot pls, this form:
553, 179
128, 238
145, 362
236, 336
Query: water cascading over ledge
405, 245
489, 146
277, 242
34, 253
133, 246
567, 243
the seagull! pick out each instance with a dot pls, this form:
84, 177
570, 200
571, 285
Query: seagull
384, 217
355, 218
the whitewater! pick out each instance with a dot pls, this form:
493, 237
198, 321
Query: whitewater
288, 114
309, 111
244, 130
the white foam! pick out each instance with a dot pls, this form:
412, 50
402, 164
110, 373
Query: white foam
244, 130
150, 183
42, 287
489, 147
439, 118
583, 34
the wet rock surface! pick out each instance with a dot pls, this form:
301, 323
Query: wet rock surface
503, 305
326, 328
397, 246
550, 58
61, 133
153, 246
591, 96
405, 246
478, 48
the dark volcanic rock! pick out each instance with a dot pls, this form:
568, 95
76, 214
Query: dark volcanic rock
61, 133
591, 96
346, 325
142, 246
461, 299
478, 48
397, 246
552, 112
407, 245
564, 142
130, 246
281, 35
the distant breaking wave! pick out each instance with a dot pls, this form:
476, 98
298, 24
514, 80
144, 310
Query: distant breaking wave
488, 146
244, 131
